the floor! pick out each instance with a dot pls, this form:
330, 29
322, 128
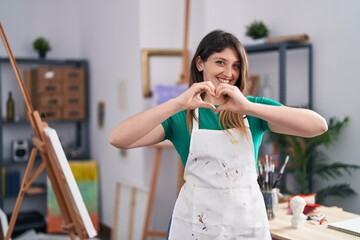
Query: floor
33, 235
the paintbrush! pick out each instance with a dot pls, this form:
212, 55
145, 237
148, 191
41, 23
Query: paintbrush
281, 172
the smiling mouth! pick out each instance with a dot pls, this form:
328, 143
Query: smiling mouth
224, 80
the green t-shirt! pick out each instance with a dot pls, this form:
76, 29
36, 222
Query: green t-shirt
176, 130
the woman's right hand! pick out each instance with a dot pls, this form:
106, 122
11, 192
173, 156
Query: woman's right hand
132, 132
191, 98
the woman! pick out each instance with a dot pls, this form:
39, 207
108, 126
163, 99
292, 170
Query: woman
217, 132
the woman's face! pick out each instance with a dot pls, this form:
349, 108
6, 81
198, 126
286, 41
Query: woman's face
223, 67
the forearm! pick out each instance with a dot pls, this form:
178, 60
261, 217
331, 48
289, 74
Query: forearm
133, 129
289, 120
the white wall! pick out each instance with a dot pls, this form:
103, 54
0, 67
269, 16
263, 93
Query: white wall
332, 28
110, 40
111, 35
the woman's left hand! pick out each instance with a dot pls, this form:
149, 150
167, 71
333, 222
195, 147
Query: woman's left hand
235, 99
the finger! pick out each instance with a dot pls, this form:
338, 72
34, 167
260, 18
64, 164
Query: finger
209, 86
212, 87
230, 91
222, 91
200, 87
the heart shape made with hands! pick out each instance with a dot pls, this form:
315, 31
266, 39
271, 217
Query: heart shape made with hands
223, 97
218, 100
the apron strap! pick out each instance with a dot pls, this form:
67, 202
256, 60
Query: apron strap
194, 122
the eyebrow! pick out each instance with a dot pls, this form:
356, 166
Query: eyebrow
220, 58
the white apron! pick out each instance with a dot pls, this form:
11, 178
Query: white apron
221, 198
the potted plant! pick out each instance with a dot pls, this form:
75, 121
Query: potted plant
308, 162
42, 46
257, 30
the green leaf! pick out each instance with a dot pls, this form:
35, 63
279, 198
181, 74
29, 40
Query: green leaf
308, 160
257, 29
337, 190
335, 170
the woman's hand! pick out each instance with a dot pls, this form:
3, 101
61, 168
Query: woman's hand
235, 99
191, 98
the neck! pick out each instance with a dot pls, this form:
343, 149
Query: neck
213, 100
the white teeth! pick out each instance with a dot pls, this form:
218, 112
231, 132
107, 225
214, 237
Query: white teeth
224, 81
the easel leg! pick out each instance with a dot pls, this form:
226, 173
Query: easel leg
72, 235
21, 193
132, 212
114, 233
151, 198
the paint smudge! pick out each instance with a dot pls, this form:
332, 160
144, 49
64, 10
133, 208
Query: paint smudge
202, 221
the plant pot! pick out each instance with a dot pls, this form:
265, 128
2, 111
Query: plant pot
259, 40
42, 54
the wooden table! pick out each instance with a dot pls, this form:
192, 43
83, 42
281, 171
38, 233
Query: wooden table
281, 228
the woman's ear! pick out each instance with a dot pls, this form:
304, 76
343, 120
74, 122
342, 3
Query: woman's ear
199, 64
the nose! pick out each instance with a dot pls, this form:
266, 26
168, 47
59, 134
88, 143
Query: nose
227, 71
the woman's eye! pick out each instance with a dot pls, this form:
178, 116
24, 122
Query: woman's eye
236, 66
220, 62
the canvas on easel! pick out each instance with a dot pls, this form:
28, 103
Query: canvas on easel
47, 144
86, 176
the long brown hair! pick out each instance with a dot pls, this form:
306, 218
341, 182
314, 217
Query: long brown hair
215, 42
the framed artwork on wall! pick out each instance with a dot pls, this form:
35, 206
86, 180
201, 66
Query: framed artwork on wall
165, 54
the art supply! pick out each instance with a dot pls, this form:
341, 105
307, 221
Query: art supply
281, 172
260, 177
268, 199
297, 205
320, 218
266, 168
268, 183
350, 226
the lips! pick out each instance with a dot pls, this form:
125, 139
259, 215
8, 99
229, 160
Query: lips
227, 81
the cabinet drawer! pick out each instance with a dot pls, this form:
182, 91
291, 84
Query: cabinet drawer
73, 112
51, 113
47, 79
50, 100
73, 80
76, 100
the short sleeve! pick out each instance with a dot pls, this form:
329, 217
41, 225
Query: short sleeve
167, 129
262, 124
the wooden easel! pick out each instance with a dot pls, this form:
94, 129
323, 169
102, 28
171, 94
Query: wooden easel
147, 232
73, 222
134, 190
184, 76
184, 79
